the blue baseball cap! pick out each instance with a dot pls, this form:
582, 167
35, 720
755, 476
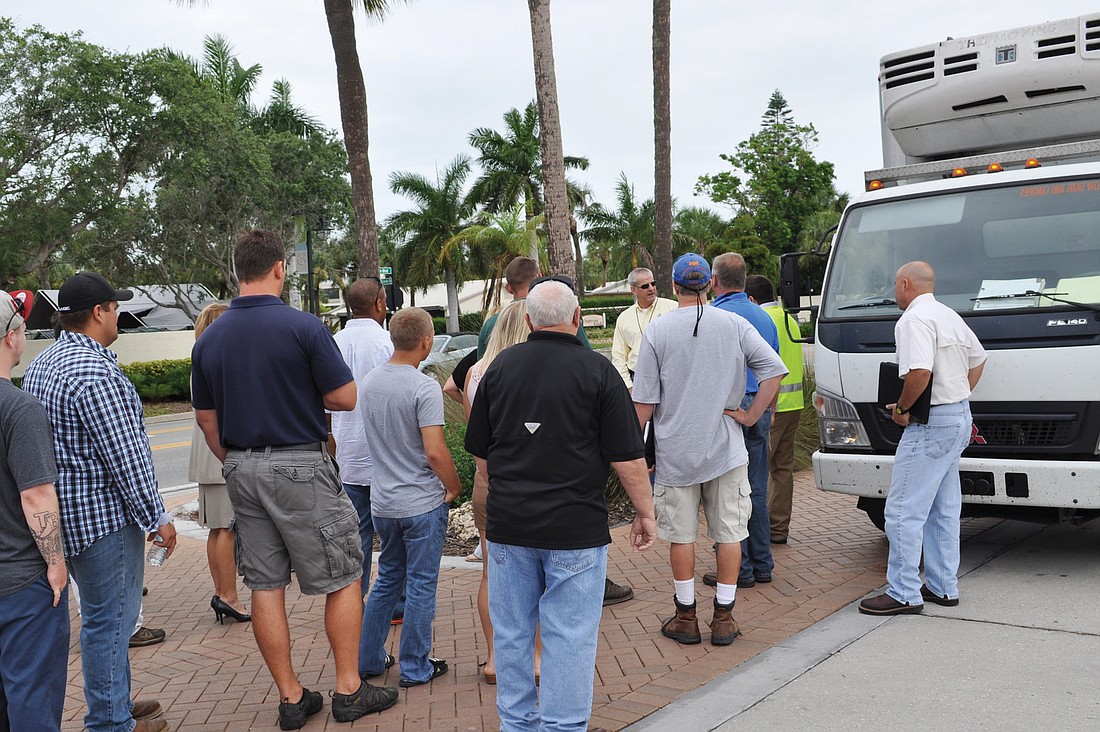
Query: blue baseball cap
691, 271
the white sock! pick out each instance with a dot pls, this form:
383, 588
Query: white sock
725, 594
685, 591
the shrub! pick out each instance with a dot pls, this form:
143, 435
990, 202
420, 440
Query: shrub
160, 380
467, 323
455, 432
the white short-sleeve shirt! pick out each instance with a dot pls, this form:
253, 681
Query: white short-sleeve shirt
930, 335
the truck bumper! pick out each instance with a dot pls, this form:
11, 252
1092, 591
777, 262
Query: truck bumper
1033, 483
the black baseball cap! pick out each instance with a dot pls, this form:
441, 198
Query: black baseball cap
87, 289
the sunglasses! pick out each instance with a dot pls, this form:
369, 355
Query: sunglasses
646, 286
19, 305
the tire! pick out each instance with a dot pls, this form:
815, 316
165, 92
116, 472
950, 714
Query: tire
875, 508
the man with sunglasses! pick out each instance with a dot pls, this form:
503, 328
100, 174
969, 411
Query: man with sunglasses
110, 505
34, 602
633, 321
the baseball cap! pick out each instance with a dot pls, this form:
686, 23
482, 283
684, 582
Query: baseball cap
86, 289
14, 309
692, 272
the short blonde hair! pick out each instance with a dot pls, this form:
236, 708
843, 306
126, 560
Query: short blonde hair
208, 315
408, 326
511, 328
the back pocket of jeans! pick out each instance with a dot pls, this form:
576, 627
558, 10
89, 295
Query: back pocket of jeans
573, 560
939, 439
340, 538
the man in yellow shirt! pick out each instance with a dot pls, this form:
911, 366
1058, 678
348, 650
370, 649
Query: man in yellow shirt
633, 321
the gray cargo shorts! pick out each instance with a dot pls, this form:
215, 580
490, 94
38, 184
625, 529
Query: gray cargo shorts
292, 511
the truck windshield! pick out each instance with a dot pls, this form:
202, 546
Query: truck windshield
992, 249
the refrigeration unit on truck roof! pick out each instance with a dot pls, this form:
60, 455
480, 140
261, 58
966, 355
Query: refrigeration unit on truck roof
1025, 87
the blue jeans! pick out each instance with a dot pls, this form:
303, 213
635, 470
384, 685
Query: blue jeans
109, 573
408, 558
560, 591
360, 498
756, 550
924, 503
34, 646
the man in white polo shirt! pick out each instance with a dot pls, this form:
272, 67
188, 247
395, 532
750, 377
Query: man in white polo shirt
925, 498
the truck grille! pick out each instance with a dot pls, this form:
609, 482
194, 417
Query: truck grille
1039, 433
1001, 434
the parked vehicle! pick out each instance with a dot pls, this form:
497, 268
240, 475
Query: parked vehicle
992, 151
449, 349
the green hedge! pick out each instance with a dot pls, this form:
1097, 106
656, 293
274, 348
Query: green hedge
161, 380
455, 433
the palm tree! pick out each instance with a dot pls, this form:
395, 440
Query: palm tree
511, 163
553, 159
491, 243
283, 115
629, 227
662, 144
441, 212
580, 198
353, 118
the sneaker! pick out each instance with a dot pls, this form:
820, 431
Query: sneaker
366, 700
147, 637
439, 667
398, 618
613, 594
293, 716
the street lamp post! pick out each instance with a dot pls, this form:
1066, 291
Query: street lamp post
322, 226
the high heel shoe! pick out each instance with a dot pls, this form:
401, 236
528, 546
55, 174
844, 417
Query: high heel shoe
222, 608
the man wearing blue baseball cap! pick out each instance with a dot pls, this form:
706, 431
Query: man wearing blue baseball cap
690, 380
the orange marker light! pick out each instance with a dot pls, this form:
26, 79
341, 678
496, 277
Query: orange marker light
1032, 163
874, 185
958, 172
994, 168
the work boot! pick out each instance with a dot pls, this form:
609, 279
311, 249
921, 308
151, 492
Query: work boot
723, 628
147, 709
152, 725
683, 627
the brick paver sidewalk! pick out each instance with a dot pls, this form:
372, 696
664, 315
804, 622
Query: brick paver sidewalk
211, 677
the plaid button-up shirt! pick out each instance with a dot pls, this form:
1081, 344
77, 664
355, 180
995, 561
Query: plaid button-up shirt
105, 466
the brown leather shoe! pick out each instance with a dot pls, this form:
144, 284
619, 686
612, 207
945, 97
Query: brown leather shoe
152, 725
683, 627
723, 628
885, 605
944, 600
148, 709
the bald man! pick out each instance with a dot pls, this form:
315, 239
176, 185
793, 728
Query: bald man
925, 499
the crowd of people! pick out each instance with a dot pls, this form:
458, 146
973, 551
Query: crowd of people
309, 448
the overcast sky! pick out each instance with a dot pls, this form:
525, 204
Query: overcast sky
436, 69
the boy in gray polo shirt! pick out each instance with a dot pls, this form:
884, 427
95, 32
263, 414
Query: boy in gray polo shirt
414, 480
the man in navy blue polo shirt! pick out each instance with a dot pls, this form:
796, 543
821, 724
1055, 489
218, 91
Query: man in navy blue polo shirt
263, 375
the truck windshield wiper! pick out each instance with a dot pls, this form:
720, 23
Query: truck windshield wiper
1036, 293
872, 304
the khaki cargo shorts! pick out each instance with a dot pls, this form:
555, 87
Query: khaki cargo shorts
726, 504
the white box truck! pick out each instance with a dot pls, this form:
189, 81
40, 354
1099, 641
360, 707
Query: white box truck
991, 152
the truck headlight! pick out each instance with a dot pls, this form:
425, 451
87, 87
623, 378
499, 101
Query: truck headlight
839, 423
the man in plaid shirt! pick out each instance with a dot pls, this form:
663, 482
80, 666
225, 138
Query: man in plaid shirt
107, 491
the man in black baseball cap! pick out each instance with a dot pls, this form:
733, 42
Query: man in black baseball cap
87, 289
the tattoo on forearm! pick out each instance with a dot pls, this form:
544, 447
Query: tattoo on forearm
48, 536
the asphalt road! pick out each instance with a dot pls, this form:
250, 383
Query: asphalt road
170, 438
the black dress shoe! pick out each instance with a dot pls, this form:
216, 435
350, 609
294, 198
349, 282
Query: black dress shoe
944, 600
885, 605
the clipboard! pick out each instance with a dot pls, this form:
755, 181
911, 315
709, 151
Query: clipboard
889, 389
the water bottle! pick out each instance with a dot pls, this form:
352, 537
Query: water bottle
157, 554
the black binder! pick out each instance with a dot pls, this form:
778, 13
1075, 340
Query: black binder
889, 389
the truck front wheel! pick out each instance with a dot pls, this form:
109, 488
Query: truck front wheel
875, 508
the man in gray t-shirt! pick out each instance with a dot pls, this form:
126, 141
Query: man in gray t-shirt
414, 480
691, 379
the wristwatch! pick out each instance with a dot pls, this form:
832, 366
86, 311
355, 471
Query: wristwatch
899, 410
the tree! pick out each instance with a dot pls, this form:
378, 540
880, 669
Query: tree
662, 149
553, 159
353, 117
442, 210
490, 244
785, 185
511, 164
82, 127
629, 229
